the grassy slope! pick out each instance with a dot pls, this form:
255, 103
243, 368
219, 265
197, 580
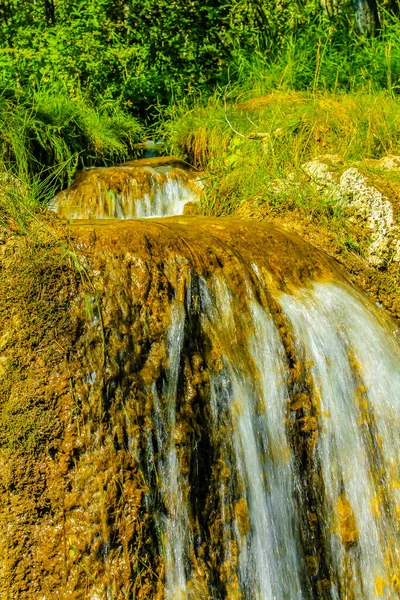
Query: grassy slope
249, 144
254, 151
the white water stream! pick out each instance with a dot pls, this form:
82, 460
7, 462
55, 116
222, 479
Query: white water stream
346, 350
175, 523
330, 325
167, 199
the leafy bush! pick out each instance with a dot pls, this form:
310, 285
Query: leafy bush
140, 53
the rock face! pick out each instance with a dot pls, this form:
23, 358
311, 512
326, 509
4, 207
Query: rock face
366, 205
376, 211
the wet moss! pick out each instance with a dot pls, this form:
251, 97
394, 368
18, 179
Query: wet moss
346, 522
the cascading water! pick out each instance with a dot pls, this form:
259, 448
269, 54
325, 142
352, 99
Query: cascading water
239, 404
269, 443
357, 378
138, 189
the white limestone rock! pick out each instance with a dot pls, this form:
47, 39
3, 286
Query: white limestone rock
376, 211
319, 172
366, 204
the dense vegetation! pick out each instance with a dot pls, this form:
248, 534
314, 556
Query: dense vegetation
78, 78
140, 53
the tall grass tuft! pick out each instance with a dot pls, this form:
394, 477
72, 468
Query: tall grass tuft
49, 136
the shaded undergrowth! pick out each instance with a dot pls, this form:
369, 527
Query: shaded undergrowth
48, 136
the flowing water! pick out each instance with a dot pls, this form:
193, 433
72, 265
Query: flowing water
259, 394
140, 188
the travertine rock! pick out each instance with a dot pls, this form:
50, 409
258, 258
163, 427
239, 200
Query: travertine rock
367, 205
370, 205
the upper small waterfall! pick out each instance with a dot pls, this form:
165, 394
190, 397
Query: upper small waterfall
153, 187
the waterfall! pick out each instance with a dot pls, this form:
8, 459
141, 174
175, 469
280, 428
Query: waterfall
138, 189
357, 377
271, 451
257, 394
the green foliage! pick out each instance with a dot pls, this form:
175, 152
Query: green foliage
324, 54
139, 53
49, 136
71, 70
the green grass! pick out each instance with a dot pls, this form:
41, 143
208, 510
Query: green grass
140, 54
324, 55
49, 136
250, 147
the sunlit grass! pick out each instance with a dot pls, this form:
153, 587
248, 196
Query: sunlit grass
250, 148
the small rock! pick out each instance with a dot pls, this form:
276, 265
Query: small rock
319, 172
366, 204
371, 206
